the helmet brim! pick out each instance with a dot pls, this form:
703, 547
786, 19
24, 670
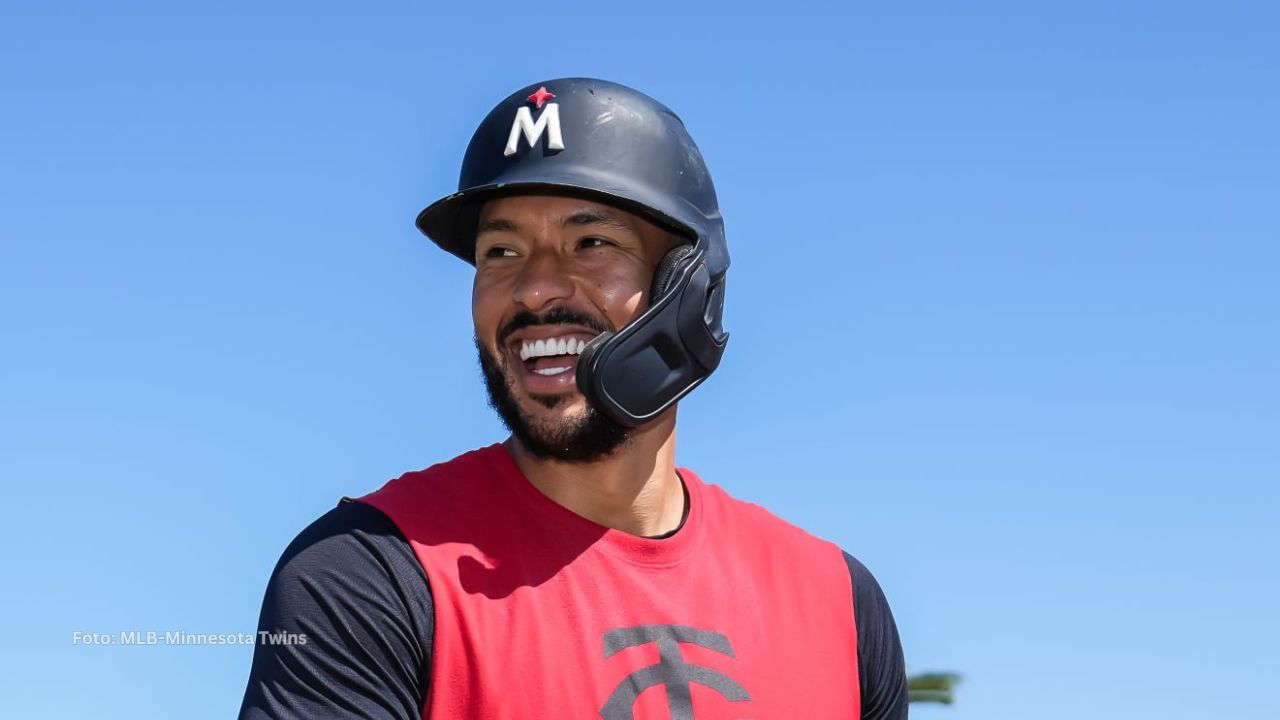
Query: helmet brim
451, 222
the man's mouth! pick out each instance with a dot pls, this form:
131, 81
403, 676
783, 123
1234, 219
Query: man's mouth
542, 352
548, 358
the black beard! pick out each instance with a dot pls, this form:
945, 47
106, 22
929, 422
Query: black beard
586, 439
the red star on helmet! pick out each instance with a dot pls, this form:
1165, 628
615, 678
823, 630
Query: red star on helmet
540, 97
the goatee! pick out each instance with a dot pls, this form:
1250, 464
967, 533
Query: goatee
584, 439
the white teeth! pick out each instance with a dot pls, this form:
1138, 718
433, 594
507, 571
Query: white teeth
552, 371
548, 348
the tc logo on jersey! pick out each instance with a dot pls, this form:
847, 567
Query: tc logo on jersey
671, 671
548, 121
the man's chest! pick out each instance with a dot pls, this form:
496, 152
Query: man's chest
603, 638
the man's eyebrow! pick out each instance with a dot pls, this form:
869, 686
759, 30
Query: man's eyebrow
496, 225
595, 217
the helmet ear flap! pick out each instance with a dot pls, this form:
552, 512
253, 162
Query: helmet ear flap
636, 373
666, 268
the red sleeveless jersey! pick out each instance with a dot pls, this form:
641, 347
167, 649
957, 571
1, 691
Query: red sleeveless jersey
540, 613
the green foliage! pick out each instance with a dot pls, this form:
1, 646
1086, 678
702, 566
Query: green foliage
932, 688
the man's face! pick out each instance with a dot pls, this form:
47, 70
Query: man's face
551, 274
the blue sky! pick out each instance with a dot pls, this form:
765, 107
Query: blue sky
1004, 311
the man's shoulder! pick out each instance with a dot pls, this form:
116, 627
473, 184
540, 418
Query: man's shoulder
754, 521
459, 499
350, 588
352, 541
339, 531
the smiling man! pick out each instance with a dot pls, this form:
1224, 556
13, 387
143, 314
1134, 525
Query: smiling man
573, 570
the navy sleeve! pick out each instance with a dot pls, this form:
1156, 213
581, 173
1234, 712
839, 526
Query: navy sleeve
882, 672
351, 584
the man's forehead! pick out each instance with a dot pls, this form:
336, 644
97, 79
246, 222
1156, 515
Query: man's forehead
560, 211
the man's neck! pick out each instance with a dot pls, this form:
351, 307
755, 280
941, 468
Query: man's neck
635, 489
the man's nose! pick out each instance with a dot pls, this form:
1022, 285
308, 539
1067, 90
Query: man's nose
543, 280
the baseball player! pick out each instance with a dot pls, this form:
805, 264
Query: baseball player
572, 570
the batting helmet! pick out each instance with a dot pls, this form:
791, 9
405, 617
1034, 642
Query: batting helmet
607, 142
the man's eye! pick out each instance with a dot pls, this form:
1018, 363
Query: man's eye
498, 251
590, 242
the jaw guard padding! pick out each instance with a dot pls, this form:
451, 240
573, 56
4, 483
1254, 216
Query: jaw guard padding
637, 373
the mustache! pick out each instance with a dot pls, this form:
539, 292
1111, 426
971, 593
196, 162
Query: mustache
554, 316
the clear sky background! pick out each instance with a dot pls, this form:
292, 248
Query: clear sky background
1004, 306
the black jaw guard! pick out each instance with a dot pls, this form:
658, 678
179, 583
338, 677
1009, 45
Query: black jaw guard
635, 374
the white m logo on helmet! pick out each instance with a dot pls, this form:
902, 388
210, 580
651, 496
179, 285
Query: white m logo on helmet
548, 121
